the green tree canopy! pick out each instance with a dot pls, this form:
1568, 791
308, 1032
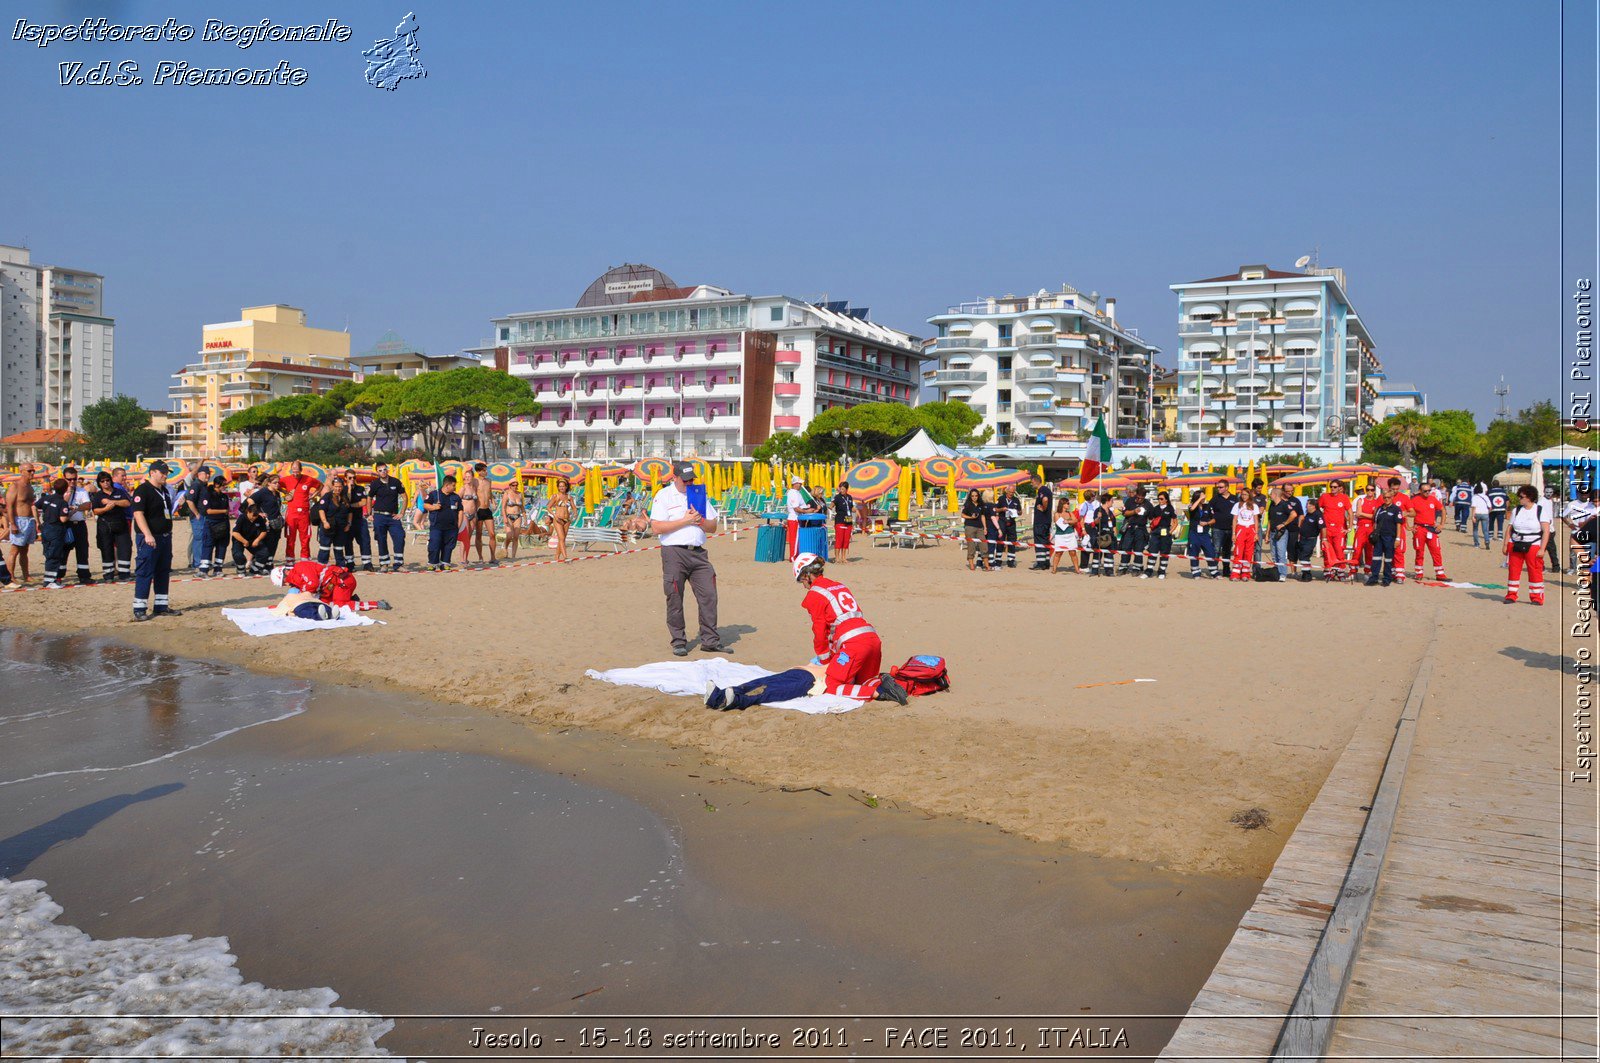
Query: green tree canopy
436, 402
119, 428
283, 416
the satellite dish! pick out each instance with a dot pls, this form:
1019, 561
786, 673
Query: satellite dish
1302, 262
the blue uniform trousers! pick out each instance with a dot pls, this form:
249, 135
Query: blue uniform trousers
442, 543
391, 535
152, 572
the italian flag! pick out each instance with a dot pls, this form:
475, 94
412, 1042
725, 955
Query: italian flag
1096, 452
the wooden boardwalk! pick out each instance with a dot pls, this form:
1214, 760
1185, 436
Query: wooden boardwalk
1262, 968
1482, 931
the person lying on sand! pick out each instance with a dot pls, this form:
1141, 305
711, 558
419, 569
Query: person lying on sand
848, 651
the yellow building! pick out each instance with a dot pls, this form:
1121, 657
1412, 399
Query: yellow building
267, 354
1164, 398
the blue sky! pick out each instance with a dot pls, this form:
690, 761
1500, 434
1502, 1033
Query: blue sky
903, 156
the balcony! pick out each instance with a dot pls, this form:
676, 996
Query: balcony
787, 357
1034, 408
947, 377
1303, 324
960, 343
786, 389
1047, 372
786, 423
1036, 339
1194, 328
861, 365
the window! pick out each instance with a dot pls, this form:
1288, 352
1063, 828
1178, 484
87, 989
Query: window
777, 314
505, 334
1005, 334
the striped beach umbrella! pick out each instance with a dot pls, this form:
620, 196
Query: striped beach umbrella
567, 468
872, 479
1313, 477
646, 469
611, 471
936, 467
994, 478
971, 467
502, 472
1102, 483
1199, 479
1143, 476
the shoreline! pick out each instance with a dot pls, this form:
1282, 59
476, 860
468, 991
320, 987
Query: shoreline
1149, 773
748, 899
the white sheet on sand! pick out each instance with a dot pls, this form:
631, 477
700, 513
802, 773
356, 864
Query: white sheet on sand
263, 622
689, 679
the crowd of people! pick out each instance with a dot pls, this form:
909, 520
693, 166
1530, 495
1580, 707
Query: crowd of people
1255, 532
1271, 534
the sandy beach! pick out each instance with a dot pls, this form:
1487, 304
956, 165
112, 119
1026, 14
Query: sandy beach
1257, 689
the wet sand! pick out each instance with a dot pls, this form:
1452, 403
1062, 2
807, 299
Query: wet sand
423, 858
1258, 687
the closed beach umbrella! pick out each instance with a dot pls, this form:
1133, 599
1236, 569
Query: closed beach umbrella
872, 479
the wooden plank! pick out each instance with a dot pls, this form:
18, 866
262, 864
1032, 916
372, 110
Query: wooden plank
1328, 976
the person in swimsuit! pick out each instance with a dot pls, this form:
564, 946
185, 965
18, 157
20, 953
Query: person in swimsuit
23, 523
483, 514
511, 507
561, 511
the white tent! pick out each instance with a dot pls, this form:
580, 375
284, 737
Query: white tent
922, 446
1559, 455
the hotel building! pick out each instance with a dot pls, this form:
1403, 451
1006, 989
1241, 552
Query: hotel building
641, 366
1040, 368
267, 354
1271, 358
56, 345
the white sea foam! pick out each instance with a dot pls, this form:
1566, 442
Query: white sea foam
172, 996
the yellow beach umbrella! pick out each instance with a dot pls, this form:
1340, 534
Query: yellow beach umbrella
950, 491
916, 480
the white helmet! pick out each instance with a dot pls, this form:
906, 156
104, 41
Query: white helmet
277, 576
802, 562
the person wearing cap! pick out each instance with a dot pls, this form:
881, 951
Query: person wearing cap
848, 657
682, 532
798, 502
152, 523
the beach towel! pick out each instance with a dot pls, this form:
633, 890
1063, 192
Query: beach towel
264, 622
689, 679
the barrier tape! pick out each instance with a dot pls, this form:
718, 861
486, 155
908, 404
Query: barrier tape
1100, 559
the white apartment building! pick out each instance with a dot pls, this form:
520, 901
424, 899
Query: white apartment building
641, 366
1272, 358
56, 345
1040, 368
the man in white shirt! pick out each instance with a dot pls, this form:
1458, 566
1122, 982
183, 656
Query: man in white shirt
682, 532
78, 500
1480, 514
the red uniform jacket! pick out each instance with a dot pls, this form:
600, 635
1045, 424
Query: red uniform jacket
332, 584
1425, 509
835, 617
299, 488
1365, 509
1335, 506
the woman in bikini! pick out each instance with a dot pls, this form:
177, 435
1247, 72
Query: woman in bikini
511, 507
561, 511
